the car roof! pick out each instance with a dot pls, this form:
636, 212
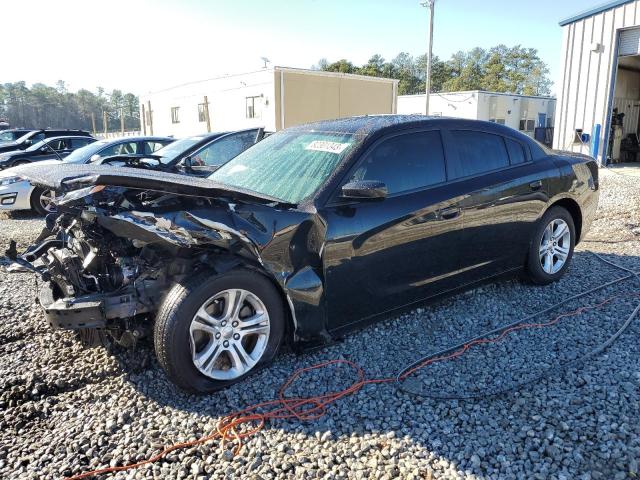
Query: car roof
67, 137
369, 124
136, 139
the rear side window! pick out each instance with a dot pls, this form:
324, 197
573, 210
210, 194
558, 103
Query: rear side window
79, 142
405, 162
478, 152
516, 152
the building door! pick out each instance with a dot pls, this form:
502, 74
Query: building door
542, 120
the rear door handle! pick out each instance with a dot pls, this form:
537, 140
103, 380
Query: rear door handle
537, 185
450, 213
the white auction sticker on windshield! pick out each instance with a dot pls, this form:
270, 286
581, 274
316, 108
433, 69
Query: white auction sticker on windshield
326, 146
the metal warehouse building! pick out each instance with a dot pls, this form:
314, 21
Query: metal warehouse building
272, 98
599, 88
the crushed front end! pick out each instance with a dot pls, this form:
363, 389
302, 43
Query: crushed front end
94, 279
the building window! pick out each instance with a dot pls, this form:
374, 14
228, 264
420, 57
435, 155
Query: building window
523, 125
202, 115
175, 114
549, 122
252, 103
531, 125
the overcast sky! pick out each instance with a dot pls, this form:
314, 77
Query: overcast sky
144, 45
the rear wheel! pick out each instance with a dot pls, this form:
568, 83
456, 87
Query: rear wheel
552, 246
19, 162
216, 330
42, 201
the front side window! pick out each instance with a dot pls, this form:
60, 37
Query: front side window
405, 162
127, 148
36, 137
175, 114
152, 147
289, 165
478, 152
222, 150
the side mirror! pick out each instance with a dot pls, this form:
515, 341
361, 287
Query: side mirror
364, 189
44, 149
94, 158
187, 165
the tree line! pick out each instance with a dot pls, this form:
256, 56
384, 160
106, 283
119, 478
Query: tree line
501, 69
43, 106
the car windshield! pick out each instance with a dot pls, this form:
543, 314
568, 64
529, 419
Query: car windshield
82, 155
6, 137
170, 152
289, 166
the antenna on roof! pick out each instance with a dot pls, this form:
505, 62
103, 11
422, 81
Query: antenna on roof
265, 60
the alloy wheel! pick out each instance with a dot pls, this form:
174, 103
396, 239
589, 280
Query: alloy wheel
229, 334
555, 245
46, 201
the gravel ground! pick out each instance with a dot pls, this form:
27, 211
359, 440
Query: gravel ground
65, 409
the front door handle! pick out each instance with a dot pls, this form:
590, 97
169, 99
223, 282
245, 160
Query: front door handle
450, 213
537, 185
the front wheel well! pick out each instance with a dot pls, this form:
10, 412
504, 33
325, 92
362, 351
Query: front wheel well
574, 209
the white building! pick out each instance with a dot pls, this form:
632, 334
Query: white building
600, 71
521, 112
273, 98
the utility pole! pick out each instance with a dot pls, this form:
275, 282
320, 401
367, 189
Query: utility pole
206, 113
122, 122
430, 4
104, 123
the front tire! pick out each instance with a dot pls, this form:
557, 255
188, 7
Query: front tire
215, 330
552, 247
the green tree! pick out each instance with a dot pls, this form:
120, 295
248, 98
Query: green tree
500, 69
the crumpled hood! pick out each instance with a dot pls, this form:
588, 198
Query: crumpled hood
65, 178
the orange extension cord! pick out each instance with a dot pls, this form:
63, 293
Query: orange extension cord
249, 421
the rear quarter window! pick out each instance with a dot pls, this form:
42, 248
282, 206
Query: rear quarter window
478, 152
517, 153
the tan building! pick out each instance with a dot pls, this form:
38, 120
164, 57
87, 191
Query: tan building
274, 98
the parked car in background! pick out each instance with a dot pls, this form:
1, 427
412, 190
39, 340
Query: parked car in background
51, 148
16, 193
316, 230
13, 134
35, 136
199, 155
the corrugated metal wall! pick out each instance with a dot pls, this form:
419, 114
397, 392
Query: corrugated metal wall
589, 53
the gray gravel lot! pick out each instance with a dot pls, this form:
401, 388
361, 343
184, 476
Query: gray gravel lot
65, 409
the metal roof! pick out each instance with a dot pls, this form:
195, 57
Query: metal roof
594, 11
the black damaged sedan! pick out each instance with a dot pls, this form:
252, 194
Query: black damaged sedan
314, 231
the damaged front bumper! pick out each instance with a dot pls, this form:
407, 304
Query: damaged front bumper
88, 311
